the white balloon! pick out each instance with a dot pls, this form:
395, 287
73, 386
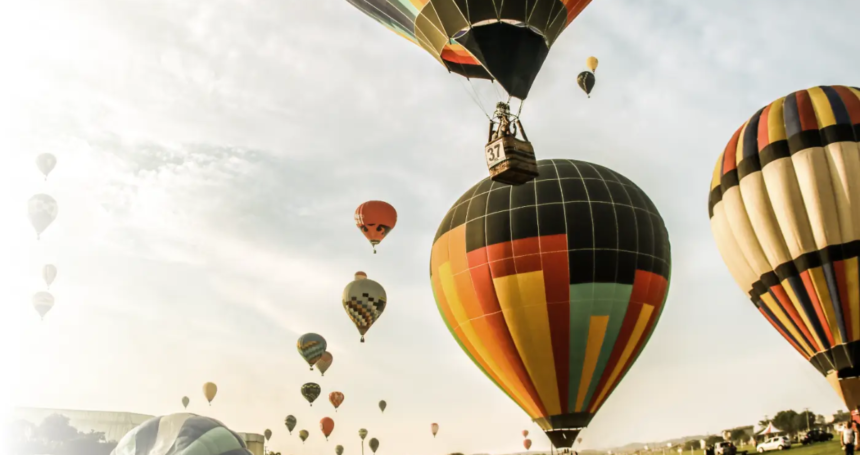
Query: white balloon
49, 273
43, 302
46, 163
43, 211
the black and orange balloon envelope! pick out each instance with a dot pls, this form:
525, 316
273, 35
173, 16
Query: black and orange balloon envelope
785, 213
505, 41
375, 219
553, 287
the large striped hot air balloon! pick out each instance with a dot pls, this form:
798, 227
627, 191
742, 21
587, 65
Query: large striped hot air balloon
785, 213
487, 39
181, 434
553, 287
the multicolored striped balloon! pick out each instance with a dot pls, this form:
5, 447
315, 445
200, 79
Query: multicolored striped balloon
553, 287
785, 213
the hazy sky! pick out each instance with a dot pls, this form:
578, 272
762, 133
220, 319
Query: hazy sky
211, 155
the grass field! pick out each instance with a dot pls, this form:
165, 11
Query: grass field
821, 448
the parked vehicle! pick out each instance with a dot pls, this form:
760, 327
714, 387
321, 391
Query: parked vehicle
777, 443
815, 435
722, 448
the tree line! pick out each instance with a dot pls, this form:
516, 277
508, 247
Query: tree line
55, 436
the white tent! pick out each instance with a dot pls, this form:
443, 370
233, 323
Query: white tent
769, 430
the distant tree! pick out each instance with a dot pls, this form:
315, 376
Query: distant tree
692, 444
711, 440
803, 421
841, 416
737, 435
55, 428
55, 436
786, 421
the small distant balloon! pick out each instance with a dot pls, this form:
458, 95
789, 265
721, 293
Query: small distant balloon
434, 428
326, 426
185, 402
525, 433
527, 444
591, 63
49, 274
42, 210
43, 302
364, 300
311, 391
335, 398
362, 433
338, 450
290, 422
311, 347
374, 444
209, 391
382, 405
267, 434
375, 219
586, 82
303, 435
579, 440
324, 362
46, 163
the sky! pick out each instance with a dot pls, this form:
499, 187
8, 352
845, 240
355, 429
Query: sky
211, 155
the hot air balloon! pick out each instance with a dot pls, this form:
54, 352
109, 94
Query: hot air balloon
479, 38
336, 398
267, 434
338, 450
591, 63
311, 347
43, 302
303, 435
46, 163
362, 433
586, 81
324, 362
382, 405
326, 426
364, 301
185, 402
579, 440
43, 211
290, 422
785, 213
49, 274
434, 428
374, 444
311, 392
209, 391
525, 433
375, 219
181, 434
484, 39
553, 302
527, 444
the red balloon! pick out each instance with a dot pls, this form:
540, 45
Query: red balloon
527, 444
327, 426
336, 398
375, 219
525, 433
